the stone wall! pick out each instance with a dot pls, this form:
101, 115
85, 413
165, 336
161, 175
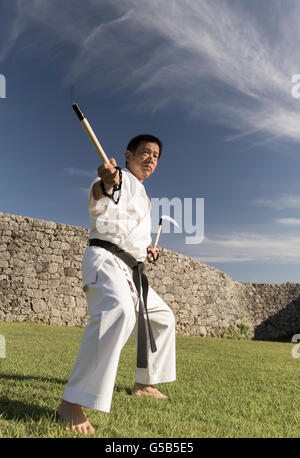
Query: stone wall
40, 280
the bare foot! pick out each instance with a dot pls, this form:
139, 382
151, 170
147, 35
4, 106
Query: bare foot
73, 417
147, 390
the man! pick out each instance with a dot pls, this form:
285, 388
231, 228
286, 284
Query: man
112, 296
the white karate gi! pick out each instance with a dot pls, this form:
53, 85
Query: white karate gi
113, 302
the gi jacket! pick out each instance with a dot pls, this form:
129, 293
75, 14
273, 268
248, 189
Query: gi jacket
128, 223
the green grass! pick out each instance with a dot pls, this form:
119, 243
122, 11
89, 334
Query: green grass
224, 388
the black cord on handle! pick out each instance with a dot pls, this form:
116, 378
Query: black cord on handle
116, 188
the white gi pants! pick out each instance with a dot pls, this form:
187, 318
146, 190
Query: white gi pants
113, 309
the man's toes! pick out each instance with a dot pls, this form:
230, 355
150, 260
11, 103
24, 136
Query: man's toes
78, 429
90, 429
161, 395
83, 429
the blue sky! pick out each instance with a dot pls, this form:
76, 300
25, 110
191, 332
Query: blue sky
211, 79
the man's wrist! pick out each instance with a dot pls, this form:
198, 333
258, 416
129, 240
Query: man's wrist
97, 190
104, 188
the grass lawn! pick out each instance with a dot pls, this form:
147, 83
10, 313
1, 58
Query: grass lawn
224, 388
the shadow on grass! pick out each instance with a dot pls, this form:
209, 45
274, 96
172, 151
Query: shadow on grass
19, 410
12, 409
20, 377
122, 389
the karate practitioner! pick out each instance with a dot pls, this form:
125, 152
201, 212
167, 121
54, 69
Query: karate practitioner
113, 300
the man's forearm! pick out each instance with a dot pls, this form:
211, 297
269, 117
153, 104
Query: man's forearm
97, 190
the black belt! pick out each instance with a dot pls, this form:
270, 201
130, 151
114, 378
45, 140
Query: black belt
140, 280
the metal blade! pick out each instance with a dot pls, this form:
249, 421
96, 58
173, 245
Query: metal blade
168, 218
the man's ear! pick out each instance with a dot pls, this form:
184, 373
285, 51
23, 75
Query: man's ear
128, 154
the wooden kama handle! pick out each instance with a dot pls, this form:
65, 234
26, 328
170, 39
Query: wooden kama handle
157, 235
90, 132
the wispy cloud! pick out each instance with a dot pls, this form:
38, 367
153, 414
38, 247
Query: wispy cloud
245, 247
84, 191
288, 221
226, 61
280, 203
241, 247
75, 172
80, 173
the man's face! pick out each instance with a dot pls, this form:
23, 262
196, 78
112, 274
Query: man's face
143, 161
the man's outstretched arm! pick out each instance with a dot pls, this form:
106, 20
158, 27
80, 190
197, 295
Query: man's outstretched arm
109, 175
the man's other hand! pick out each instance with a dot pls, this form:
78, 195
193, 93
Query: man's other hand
152, 253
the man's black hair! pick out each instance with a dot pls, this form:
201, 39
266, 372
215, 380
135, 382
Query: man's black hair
134, 142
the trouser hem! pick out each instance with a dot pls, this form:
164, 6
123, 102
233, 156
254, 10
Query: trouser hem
148, 379
86, 400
